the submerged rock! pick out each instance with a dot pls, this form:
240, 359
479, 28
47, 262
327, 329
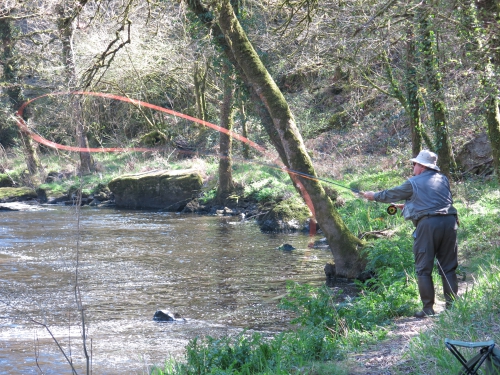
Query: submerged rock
286, 247
167, 316
321, 244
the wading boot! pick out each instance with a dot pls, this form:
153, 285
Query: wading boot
450, 288
426, 291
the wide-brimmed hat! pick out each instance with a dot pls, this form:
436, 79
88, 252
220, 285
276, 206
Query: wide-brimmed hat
427, 159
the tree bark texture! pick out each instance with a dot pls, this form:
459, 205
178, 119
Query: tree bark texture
412, 100
442, 143
244, 129
200, 78
65, 27
493, 120
226, 184
344, 245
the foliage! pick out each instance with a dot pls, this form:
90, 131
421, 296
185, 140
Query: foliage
478, 204
8, 132
394, 253
386, 297
263, 184
255, 354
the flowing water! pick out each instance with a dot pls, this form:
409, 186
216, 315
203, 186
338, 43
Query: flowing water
222, 275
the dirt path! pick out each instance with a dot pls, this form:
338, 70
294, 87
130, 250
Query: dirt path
387, 357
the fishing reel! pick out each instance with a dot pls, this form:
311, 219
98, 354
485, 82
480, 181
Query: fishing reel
392, 209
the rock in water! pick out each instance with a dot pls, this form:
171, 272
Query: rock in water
167, 316
164, 190
286, 247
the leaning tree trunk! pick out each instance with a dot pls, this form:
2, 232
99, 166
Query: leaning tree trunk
206, 17
65, 27
442, 142
344, 245
226, 183
15, 93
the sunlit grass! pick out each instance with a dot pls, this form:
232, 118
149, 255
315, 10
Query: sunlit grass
473, 318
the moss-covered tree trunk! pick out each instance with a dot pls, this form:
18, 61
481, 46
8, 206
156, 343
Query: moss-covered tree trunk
244, 128
200, 79
206, 16
15, 93
489, 16
65, 27
413, 104
428, 50
344, 245
226, 183
493, 120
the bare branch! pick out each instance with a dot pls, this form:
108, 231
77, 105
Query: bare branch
381, 11
294, 7
106, 58
44, 325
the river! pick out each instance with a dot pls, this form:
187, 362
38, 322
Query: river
221, 274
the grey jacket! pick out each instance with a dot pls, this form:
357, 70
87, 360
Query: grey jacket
427, 194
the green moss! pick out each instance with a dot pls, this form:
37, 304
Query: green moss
53, 188
154, 138
157, 189
5, 180
154, 181
10, 193
292, 208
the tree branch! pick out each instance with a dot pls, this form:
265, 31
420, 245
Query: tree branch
382, 10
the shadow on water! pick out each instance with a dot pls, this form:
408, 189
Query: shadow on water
221, 275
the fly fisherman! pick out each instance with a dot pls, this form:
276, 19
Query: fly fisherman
429, 205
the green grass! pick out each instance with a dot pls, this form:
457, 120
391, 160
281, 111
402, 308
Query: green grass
474, 317
343, 326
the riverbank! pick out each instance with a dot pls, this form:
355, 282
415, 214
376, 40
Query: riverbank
258, 192
365, 333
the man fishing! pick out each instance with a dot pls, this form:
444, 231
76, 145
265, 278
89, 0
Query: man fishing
429, 205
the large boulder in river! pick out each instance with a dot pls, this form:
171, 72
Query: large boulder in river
10, 194
289, 215
164, 190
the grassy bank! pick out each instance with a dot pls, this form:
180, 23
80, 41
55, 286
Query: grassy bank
328, 328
